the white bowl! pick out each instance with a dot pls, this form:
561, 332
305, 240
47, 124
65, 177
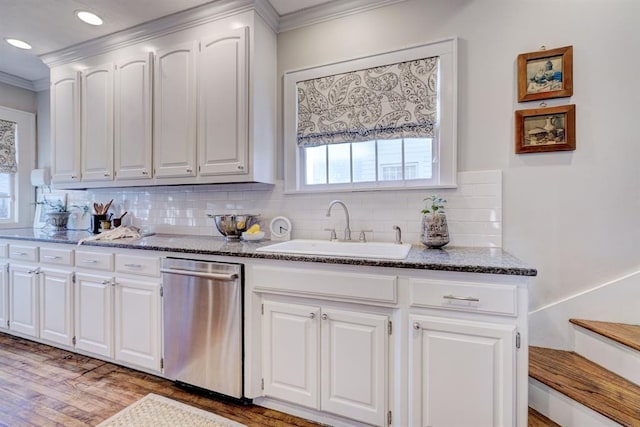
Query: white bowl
252, 237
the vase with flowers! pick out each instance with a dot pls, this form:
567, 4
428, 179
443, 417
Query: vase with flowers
434, 231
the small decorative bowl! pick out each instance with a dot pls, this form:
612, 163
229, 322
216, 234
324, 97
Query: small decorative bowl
252, 237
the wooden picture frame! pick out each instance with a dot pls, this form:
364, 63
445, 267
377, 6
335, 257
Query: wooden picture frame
542, 130
545, 74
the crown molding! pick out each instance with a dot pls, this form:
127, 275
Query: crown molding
268, 13
189, 18
328, 11
16, 81
41, 84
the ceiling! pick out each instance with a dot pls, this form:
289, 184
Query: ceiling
51, 25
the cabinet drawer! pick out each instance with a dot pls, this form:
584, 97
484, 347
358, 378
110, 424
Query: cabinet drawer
146, 266
23, 253
94, 260
358, 286
474, 297
56, 256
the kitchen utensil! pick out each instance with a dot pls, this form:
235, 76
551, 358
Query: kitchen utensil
122, 216
232, 226
106, 208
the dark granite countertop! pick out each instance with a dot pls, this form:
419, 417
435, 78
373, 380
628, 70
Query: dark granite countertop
462, 259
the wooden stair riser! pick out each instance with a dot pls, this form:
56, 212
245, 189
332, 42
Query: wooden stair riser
562, 409
613, 356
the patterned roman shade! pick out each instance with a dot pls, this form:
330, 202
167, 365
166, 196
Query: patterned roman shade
386, 102
8, 147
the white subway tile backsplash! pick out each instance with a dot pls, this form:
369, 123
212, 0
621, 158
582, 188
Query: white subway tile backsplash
474, 209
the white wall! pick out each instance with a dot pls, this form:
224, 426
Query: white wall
17, 98
574, 215
44, 129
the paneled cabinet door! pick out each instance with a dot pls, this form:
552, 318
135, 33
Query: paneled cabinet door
175, 111
65, 128
93, 308
354, 365
462, 373
4, 296
132, 111
23, 299
137, 322
97, 123
56, 306
223, 103
291, 345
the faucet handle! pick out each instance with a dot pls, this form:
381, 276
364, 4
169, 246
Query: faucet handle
363, 236
398, 234
333, 234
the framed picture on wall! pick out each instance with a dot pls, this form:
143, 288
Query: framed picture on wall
546, 129
545, 74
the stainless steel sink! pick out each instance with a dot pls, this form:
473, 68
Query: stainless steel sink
378, 250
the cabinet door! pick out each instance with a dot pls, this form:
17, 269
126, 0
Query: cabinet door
56, 306
223, 104
133, 118
97, 123
175, 111
93, 314
137, 322
462, 373
4, 296
291, 340
354, 365
65, 128
23, 299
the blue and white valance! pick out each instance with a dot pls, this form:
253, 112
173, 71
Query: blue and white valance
386, 102
8, 147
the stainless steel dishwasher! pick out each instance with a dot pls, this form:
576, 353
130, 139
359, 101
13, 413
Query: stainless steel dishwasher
203, 339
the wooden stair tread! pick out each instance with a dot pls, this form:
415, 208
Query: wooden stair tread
622, 333
536, 419
587, 383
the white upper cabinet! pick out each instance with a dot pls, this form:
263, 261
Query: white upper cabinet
175, 111
133, 111
223, 103
65, 128
97, 123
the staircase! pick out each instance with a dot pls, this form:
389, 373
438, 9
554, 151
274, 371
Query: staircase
597, 384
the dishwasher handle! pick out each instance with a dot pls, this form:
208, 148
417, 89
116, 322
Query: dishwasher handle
226, 277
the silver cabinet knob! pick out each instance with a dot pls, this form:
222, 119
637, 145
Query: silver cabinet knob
240, 167
417, 326
145, 173
189, 170
107, 174
325, 317
312, 315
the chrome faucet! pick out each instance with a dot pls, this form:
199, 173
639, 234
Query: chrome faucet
347, 229
398, 234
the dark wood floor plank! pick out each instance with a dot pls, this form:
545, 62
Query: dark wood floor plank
587, 383
536, 419
622, 333
44, 386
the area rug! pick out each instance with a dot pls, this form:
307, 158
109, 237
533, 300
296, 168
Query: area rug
159, 411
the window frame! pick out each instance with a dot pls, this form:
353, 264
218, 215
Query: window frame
445, 149
23, 193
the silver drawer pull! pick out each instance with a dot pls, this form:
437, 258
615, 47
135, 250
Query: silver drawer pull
51, 257
36, 271
133, 265
21, 253
457, 298
90, 261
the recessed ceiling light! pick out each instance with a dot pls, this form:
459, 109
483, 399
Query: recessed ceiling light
88, 17
18, 43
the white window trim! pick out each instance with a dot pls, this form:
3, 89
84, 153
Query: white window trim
24, 196
447, 153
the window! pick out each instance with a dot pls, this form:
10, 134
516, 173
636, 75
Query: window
384, 121
17, 159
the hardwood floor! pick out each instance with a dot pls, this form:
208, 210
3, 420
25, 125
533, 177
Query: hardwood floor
46, 386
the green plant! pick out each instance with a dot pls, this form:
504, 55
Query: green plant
59, 206
434, 204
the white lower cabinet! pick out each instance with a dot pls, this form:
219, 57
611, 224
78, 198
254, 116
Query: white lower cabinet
93, 314
329, 359
23, 299
56, 306
4, 295
137, 322
462, 373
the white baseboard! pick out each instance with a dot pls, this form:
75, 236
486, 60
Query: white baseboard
563, 410
610, 354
